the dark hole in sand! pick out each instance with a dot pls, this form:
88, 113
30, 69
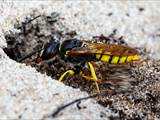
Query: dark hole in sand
37, 30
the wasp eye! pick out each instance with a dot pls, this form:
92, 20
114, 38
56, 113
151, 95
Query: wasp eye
50, 50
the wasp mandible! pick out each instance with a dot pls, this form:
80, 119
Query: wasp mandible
79, 53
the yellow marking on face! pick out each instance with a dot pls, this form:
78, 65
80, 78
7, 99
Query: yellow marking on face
135, 57
98, 54
67, 52
130, 58
115, 59
122, 59
105, 58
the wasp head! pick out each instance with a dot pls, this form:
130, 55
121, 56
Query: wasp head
49, 51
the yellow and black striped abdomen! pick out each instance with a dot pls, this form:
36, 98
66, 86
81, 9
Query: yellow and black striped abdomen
107, 57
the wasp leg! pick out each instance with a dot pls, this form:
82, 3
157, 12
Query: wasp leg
94, 76
71, 72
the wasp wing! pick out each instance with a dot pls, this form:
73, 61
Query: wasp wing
103, 49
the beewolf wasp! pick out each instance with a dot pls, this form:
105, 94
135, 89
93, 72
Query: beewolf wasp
80, 53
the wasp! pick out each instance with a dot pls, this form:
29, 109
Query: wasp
80, 53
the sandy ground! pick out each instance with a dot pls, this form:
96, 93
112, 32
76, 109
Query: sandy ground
25, 93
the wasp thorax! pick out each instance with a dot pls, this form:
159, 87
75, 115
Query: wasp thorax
69, 44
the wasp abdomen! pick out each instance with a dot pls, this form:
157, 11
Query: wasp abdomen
107, 57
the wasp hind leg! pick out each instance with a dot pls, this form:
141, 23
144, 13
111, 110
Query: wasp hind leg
93, 78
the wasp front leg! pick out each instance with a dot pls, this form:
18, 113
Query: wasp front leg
78, 70
75, 70
70, 72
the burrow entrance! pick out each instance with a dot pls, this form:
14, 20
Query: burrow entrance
30, 35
